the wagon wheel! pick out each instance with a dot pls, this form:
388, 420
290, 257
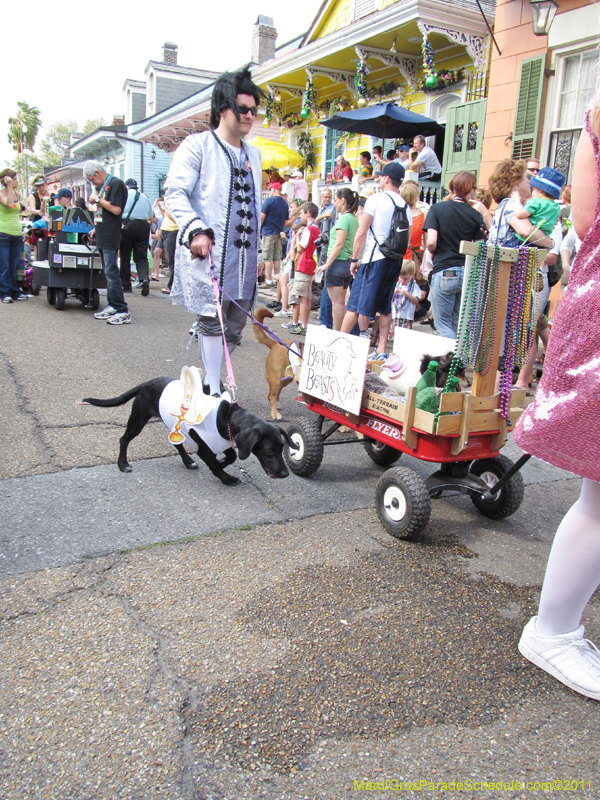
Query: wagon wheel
61, 296
306, 459
95, 300
35, 288
509, 498
403, 503
51, 295
381, 453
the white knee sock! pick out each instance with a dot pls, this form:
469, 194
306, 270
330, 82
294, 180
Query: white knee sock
211, 353
573, 571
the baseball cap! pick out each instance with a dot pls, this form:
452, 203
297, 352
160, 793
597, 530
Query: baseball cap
403, 147
275, 185
297, 174
65, 193
548, 180
394, 171
131, 183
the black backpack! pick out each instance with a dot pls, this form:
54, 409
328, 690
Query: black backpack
396, 244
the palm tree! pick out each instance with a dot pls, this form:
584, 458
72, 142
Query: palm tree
23, 129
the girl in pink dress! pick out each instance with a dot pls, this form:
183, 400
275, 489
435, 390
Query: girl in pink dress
562, 427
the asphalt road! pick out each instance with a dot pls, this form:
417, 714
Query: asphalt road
166, 636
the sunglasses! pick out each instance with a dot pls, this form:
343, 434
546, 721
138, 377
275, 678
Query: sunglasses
242, 110
532, 169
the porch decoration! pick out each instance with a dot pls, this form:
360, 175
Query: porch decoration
292, 120
332, 107
268, 111
385, 89
360, 83
431, 80
444, 79
306, 148
310, 98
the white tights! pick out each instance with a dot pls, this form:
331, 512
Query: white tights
573, 571
211, 353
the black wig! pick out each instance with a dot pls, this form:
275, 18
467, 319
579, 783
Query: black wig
226, 89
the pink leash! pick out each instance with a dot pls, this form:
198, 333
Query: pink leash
230, 376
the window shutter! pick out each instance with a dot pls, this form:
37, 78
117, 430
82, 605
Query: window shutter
529, 106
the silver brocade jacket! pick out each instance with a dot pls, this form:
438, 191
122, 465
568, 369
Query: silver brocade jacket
199, 192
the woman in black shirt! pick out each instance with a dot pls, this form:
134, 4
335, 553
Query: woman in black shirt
448, 224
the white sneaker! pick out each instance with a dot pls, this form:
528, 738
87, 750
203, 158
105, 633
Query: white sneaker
106, 313
282, 313
122, 318
568, 657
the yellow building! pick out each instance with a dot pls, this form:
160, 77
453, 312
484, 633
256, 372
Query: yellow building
319, 72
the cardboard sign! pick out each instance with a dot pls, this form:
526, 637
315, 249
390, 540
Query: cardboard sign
333, 367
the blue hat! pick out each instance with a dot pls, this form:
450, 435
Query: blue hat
548, 180
403, 147
65, 193
393, 170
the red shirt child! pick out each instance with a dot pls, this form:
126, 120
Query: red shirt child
306, 261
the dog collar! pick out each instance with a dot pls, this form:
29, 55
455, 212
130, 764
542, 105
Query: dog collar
229, 433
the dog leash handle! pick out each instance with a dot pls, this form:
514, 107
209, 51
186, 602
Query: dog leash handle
230, 376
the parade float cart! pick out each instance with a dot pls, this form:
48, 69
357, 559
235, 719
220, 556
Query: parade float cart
73, 268
466, 434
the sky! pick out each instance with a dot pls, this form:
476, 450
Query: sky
73, 61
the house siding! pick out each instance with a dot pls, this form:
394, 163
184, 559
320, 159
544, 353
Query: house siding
138, 106
169, 92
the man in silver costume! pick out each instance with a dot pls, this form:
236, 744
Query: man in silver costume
213, 191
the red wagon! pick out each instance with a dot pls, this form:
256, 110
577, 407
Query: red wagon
465, 439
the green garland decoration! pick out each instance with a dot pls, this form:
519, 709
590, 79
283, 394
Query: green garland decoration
361, 83
444, 79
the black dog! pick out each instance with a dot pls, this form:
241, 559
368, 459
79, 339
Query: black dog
250, 433
441, 376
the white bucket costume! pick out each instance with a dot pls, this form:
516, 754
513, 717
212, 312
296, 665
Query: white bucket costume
184, 406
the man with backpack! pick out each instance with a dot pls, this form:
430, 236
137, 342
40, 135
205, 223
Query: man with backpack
379, 247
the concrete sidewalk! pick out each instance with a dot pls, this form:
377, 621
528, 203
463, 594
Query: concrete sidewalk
163, 636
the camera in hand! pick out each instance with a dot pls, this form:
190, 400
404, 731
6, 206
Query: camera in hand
322, 238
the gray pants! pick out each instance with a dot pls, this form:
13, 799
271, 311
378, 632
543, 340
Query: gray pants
234, 321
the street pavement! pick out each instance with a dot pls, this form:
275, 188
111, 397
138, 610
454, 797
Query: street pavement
165, 636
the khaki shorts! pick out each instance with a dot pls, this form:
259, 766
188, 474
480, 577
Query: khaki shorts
272, 247
302, 287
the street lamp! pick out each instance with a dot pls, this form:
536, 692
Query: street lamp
542, 15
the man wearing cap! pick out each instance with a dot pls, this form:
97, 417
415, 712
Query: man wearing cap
275, 213
375, 276
402, 158
300, 186
64, 198
135, 235
424, 160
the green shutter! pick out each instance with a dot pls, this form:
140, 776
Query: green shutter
529, 107
464, 138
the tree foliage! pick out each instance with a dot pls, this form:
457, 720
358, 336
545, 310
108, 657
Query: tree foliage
53, 145
24, 127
